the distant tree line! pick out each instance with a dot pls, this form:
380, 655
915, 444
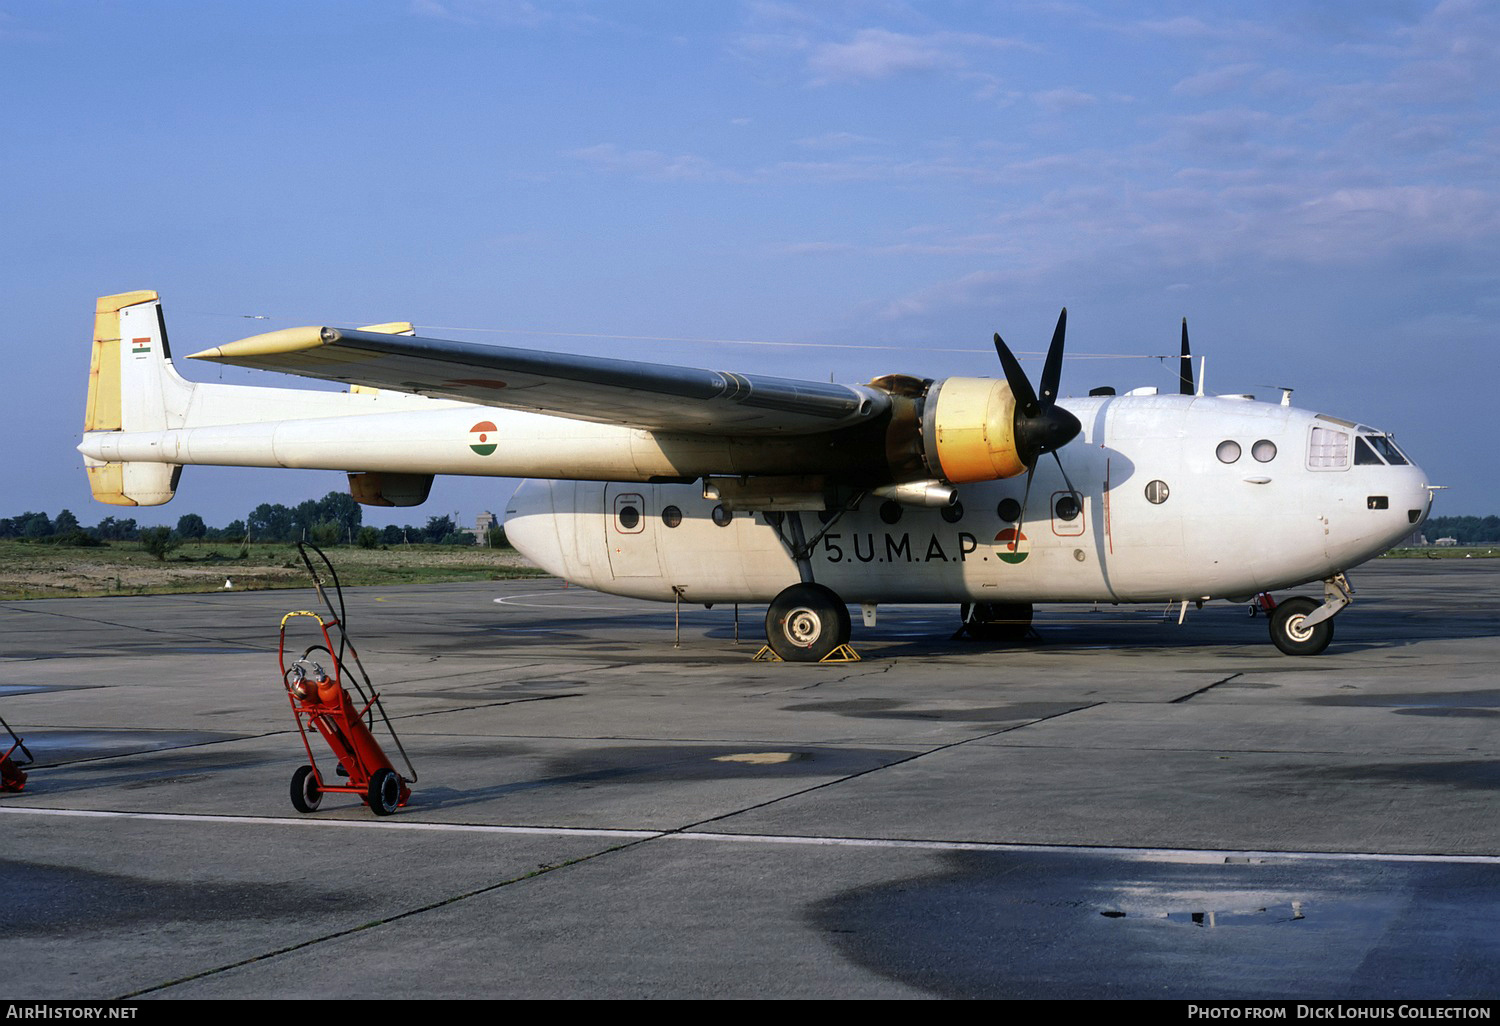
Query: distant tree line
1467, 530
332, 520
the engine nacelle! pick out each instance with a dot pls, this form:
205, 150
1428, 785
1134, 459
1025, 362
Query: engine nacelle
968, 430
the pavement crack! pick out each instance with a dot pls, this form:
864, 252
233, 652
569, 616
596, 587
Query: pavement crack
875, 769
383, 921
1195, 694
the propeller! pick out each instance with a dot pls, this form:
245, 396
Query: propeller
1185, 374
1041, 426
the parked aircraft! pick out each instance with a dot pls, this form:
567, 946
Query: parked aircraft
703, 486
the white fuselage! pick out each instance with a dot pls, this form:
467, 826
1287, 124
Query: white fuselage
1162, 517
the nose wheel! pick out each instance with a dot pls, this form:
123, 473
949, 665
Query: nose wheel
1291, 632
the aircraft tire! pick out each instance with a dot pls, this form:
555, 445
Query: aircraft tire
806, 622
997, 621
306, 795
384, 792
1289, 632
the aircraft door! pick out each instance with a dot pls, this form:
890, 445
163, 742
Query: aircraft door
631, 530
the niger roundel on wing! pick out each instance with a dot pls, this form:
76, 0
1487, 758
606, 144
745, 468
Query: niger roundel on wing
480, 435
1013, 545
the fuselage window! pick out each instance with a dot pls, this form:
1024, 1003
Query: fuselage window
1228, 451
1157, 492
890, 511
954, 513
1008, 510
629, 517
1067, 508
671, 516
1264, 450
722, 516
1327, 449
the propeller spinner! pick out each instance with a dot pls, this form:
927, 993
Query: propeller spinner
1041, 426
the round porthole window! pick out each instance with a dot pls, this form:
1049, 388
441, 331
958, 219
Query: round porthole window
1157, 492
1228, 451
671, 516
722, 516
890, 511
1264, 450
954, 513
1067, 508
629, 518
1009, 510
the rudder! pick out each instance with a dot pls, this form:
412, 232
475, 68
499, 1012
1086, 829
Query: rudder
132, 387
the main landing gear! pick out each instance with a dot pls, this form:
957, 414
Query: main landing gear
806, 623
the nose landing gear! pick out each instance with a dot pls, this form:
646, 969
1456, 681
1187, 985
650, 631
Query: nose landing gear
1303, 626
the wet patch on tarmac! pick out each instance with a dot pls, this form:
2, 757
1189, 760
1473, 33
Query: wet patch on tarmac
893, 709
42, 900
677, 763
57, 747
10, 690
1480, 699
1465, 774
1052, 925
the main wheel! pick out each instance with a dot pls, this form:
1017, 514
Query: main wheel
306, 794
806, 622
996, 621
1290, 631
384, 792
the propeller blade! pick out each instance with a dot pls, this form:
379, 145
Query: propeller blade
1052, 369
1025, 498
1041, 426
1020, 386
1185, 373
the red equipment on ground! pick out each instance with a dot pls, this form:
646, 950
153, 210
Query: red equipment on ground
321, 703
11, 776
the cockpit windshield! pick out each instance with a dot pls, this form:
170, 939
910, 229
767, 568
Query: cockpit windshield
1387, 448
1374, 449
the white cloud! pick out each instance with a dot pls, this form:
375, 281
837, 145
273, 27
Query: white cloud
654, 165
877, 53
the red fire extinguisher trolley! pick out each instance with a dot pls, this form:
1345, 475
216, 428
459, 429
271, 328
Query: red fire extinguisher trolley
322, 705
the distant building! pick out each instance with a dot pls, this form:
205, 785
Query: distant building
1446, 542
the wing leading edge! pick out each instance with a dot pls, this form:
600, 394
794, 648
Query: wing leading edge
646, 395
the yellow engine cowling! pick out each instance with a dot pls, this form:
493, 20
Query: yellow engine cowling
968, 430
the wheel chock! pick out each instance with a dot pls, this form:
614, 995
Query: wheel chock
842, 654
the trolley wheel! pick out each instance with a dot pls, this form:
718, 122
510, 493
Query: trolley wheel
384, 793
306, 794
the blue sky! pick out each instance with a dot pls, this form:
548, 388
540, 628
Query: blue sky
1314, 186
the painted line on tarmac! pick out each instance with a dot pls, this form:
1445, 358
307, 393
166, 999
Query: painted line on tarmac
1195, 855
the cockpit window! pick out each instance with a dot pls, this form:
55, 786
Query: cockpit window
1327, 449
1387, 448
1364, 456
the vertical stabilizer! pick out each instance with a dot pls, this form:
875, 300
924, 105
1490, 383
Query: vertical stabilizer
133, 387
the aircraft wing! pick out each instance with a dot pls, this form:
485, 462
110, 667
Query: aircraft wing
645, 395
